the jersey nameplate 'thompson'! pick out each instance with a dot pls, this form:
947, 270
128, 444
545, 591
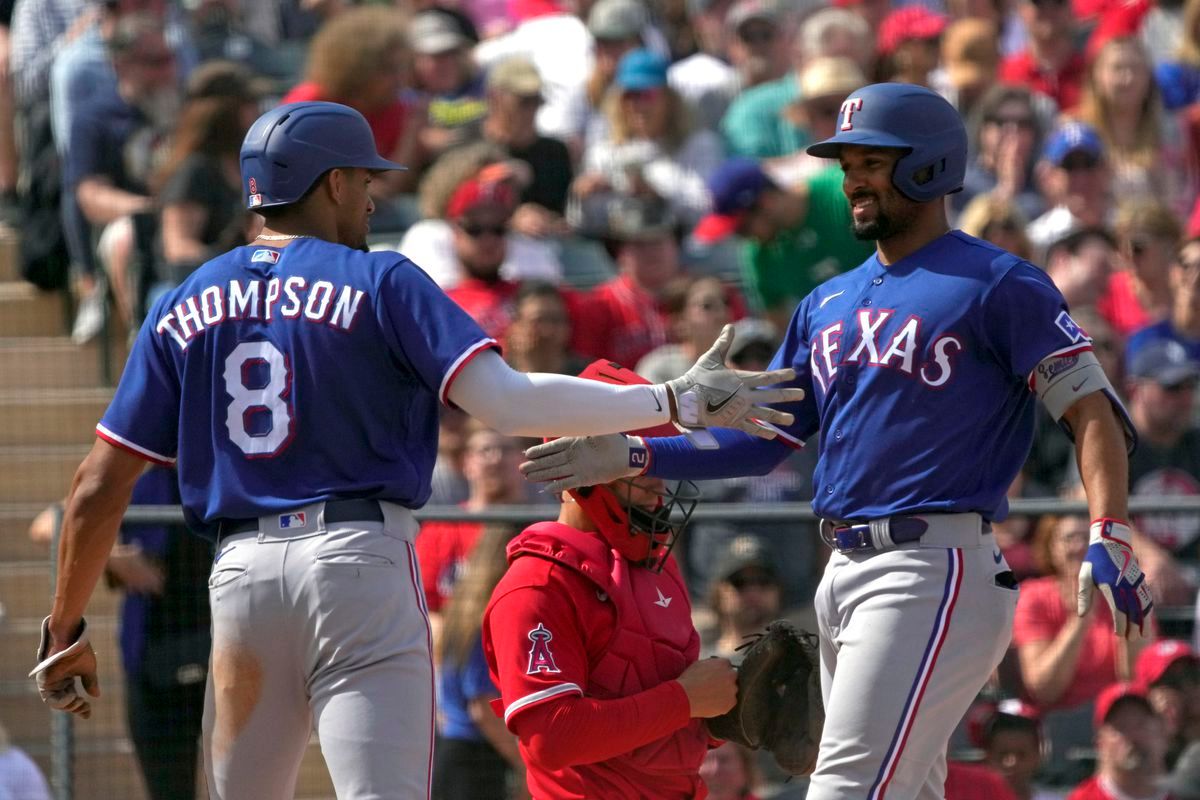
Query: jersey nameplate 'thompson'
286, 298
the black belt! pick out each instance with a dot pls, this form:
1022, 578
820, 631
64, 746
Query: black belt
851, 537
356, 510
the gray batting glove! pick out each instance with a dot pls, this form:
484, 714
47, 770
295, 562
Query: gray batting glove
710, 395
56, 675
575, 461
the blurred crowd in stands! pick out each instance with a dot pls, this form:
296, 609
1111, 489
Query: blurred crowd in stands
619, 179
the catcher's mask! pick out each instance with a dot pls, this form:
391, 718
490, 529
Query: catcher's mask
640, 518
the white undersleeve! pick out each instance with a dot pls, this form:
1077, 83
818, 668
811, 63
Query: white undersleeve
541, 404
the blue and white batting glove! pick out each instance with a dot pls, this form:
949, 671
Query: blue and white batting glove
574, 461
1109, 565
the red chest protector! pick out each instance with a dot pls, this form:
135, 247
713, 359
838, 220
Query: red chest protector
653, 639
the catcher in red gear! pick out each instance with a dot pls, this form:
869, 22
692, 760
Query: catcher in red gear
589, 636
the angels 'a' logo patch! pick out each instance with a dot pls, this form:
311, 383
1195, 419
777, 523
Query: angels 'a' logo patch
1070, 327
540, 657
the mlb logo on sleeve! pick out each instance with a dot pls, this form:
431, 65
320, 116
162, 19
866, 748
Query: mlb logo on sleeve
297, 520
1070, 327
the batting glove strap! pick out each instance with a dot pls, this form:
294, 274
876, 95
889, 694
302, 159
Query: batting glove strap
78, 646
571, 462
1110, 566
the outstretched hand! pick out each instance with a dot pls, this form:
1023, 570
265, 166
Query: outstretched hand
710, 395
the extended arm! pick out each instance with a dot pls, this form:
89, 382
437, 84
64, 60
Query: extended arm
567, 463
538, 404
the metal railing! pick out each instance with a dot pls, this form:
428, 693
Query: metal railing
62, 740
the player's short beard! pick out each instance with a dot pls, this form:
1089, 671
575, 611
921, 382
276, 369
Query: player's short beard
887, 222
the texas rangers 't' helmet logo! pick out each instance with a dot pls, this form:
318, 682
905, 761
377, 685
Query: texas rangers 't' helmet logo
849, 106
540, 657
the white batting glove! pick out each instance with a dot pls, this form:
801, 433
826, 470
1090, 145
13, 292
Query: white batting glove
710, 395
575, 461
1110, 566
56, 675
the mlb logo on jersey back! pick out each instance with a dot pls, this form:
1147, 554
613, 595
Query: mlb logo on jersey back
1070, 327
269, 256
297, 520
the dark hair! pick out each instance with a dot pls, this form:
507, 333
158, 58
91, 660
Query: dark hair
990, 103
210, 125
1011, 723
530, 289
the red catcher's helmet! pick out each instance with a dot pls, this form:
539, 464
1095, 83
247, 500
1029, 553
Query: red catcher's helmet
643, 535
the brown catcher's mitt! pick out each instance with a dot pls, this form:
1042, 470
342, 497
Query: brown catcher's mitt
779, 703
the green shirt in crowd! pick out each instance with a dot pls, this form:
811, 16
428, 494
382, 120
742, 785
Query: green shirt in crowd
782, 272
755, 124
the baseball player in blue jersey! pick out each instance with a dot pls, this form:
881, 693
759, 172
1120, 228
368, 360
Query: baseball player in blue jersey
295, 385
921, 367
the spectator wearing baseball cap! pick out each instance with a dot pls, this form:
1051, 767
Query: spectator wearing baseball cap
785, 256
909, 44
1130, 747
760, 122
1161, 390
1010, 734
623, 319
447, 83
617, 27
1182, 324
757, 45
479, 212
1074, 177
1169, 672
514, 93
746, 592
651, 145
825, 82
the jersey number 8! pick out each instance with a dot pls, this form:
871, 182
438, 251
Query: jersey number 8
253, 396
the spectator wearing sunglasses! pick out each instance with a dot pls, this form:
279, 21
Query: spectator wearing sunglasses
1139, 294
1169, 672
479, 212
1006, 132
1074, 177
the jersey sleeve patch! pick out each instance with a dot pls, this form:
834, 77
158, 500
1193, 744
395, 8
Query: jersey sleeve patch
541, 659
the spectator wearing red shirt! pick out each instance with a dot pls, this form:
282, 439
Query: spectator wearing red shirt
358, 59
1051, 64
624, 319
975, 782
1138, 295
1065, 659
1130, 748
480, 212
1169, 672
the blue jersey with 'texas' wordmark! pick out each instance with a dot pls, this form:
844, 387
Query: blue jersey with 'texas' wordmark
919, 377
279, 377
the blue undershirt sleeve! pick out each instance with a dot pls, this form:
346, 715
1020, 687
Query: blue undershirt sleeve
739, 454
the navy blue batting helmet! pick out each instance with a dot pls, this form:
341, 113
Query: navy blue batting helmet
911, 117
290, 146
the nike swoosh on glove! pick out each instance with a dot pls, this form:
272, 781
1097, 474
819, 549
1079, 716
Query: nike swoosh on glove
56, 675
575, 461
710, 395
1109, 565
